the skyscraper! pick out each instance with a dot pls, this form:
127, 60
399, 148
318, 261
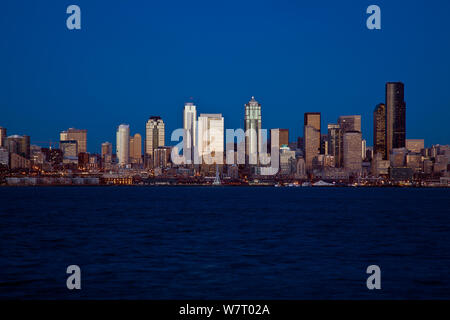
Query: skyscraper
210, 137
352, 152
190, 129
334, 141
106, 149
253, 137
154, 135
379, 130
347, 124
19, 145
350, 123
311, 135
80, 135
395, 116
283, 136
3, 137
136, 149
123, 144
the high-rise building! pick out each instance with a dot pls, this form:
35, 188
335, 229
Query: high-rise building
283, 136
161, 157
347, 124
395, 116
190, 129
106, 149
80, 135
415, 145
311, 136
253, 137
350, 123
69, 150
379, 130
210, 137
123, 144
19, 145
352, 152
363, 149
154, 135
136, 149
3, 137
334, 141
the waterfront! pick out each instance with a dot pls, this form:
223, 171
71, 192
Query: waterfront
232, 243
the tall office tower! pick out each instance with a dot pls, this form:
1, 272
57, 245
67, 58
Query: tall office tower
253, 137
347, 124
334, 142
283, 137
352, 152
3, 137
136, 148
324, 144
210, 137
363, 149
379, 130
106, 149
350, 123
80, 135
154, 135
19, 145
190, 129
311, 136
123, 144
395, 116
415, 145
69, 149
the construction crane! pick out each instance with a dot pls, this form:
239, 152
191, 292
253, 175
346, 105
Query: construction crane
49, 143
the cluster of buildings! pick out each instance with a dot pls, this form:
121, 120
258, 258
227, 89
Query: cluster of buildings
207, 152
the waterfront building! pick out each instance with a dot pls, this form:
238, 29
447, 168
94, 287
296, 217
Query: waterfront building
123, 144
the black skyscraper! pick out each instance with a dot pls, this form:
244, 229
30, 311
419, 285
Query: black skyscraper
395, 116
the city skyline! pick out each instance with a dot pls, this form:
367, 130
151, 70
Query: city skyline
154, 130
161, 57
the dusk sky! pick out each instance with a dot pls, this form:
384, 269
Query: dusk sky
135, 59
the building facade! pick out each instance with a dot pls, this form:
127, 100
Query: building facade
395, 116
154, 134
79, 135
190, 131
123, 144
379, 130
253, 136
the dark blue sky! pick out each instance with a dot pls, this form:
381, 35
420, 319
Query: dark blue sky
134, 59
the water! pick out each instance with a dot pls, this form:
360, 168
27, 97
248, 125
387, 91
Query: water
224, 242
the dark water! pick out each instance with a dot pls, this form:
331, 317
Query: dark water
233, 243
